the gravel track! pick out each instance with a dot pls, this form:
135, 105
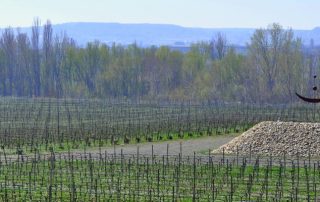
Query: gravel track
199, 146
187, 147
174, 147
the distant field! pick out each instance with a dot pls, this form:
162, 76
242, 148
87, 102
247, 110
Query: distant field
71, 123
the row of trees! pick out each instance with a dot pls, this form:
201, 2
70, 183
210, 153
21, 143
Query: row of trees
45, 64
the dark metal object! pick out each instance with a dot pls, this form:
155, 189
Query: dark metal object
310, 100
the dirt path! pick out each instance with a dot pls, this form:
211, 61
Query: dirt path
200, 146
187, 147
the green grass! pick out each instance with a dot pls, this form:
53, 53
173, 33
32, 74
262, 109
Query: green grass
145, 179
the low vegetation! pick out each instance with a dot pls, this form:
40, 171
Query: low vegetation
41, 138
101, 176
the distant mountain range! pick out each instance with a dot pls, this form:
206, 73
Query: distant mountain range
160, 34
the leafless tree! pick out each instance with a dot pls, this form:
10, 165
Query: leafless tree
36, 57
9, 47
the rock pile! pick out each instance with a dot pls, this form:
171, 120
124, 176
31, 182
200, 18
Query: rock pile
277, 138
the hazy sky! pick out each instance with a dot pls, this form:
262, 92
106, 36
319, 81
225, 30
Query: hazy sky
298, 14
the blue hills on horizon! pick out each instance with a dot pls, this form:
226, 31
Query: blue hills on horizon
160, 34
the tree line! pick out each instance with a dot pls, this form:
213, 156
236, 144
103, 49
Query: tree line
274, 67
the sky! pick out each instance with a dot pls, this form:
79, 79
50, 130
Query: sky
296, 14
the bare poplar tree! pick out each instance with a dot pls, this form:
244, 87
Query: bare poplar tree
24, 75
221, 45
218, 46
9, 46
36, 57
47, 59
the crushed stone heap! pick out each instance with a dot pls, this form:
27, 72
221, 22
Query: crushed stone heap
277, 138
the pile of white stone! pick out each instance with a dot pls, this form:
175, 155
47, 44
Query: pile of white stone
277, 138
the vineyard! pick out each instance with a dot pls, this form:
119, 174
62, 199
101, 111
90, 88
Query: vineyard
39, 137
62, 123
119, 177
